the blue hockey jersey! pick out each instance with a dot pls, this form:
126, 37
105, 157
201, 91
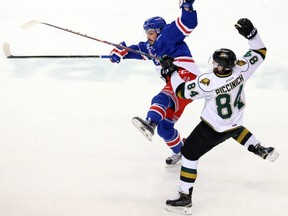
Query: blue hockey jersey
170, 41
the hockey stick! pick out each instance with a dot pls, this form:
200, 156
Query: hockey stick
7, 52
33, 22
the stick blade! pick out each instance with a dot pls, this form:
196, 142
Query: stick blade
6, 49
29, 24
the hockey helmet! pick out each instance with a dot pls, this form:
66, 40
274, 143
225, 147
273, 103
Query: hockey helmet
157, 23
225, 58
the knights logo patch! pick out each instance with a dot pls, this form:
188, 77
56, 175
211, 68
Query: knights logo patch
241, 62
205, 81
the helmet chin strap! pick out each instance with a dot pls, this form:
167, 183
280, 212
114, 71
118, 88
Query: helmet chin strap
222, 73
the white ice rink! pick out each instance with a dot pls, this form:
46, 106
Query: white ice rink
67, 144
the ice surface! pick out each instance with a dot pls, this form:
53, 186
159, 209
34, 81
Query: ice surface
67, 144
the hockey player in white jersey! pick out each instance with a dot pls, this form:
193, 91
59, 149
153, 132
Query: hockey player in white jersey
222, 115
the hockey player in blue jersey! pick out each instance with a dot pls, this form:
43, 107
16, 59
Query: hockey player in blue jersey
165, 40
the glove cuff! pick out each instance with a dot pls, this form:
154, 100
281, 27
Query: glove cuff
252, 34
119, 52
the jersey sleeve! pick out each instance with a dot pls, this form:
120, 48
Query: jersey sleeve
200, 87
182, 26
252, 59
141, 46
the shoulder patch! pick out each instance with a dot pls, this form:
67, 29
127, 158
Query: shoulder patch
205, 81
241, 62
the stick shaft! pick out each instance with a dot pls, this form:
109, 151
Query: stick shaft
92, 38
7, 52
57, 56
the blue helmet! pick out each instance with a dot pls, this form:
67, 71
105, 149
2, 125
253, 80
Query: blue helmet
156, 23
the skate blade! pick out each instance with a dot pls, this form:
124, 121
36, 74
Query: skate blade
272, 156
173, 165
138, 124
179, 210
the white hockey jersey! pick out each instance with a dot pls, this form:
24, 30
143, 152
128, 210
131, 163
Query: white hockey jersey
224, 96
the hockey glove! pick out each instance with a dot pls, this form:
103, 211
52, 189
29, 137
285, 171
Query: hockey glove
118, 53
186, 4
168, 67
246, 28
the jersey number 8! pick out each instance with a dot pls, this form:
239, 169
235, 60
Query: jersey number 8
224, 108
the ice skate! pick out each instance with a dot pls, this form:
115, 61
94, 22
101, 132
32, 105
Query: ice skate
182, 204
267, 153
145, 127
173, 159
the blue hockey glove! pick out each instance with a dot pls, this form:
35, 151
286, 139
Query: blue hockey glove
246, 28
118, 53
168, 67
186, 4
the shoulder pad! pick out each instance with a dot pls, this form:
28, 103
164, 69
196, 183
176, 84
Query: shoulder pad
240, 62
205, 82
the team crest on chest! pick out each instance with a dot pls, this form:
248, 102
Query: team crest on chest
205, 81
